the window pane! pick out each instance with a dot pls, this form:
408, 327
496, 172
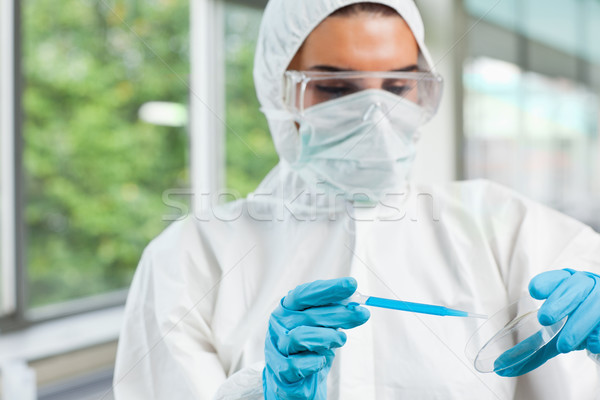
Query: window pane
249, 149
537, 134
94, 171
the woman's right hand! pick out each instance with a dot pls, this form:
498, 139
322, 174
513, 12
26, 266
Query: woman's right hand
303, 333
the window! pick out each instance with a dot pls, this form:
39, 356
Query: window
95, 169
104, 96
534, 133
531, 108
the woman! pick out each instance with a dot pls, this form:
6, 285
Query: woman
345, 86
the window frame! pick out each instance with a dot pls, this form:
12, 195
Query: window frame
13, 288
207, 97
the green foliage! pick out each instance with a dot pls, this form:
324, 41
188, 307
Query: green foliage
94, 173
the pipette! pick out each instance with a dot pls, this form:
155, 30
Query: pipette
358, 298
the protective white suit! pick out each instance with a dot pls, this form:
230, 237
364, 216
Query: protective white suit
199, 305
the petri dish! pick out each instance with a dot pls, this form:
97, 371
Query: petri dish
510, 337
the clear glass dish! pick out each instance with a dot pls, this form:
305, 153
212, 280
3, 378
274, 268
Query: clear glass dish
510, 337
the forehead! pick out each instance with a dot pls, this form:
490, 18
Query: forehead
361, 42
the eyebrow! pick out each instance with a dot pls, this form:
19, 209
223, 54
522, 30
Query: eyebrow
330, 68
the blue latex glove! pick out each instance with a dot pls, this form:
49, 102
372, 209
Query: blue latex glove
303, 332
567, 292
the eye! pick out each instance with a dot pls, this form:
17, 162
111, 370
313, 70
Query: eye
398, 90
334, 91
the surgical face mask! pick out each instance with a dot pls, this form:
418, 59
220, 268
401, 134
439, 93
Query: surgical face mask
361, 145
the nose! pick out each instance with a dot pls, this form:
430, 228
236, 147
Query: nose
374, 113
371, 83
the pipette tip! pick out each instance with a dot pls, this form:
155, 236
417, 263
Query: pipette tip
474, 315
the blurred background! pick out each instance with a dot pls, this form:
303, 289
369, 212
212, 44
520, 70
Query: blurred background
113, 111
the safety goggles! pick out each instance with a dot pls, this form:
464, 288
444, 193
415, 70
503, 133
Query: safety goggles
304, 89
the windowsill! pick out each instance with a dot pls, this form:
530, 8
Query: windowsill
62, 336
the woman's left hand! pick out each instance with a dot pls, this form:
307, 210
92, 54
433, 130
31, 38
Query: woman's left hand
572, 293
567, 293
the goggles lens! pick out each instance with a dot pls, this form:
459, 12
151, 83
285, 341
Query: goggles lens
306, 89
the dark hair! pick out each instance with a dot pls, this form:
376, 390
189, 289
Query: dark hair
375, 9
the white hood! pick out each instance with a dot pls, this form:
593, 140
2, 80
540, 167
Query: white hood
285, 26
